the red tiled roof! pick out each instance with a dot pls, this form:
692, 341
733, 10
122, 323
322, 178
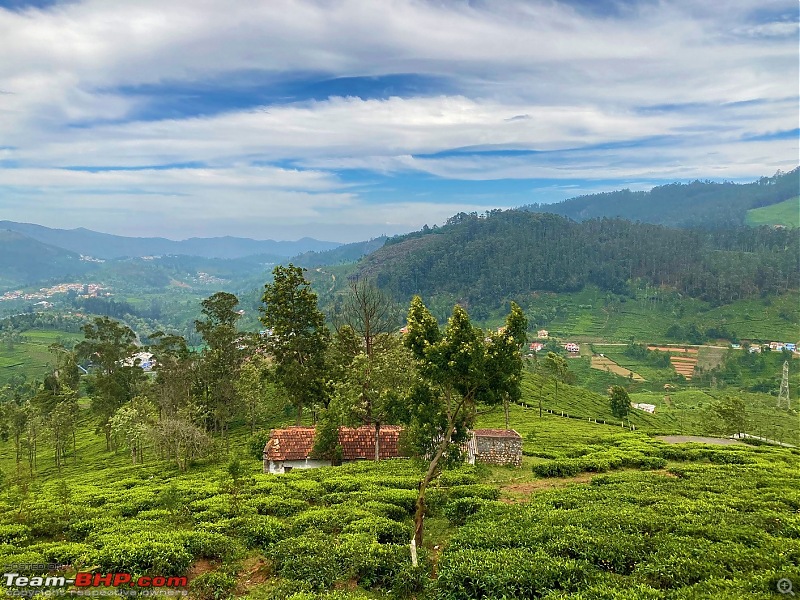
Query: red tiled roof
499, 433
292, 443
296, 443
359, 442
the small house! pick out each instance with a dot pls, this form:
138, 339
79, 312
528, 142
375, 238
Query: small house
542, 334
494, 447
536, 347
648, 408
291, 448
572, 347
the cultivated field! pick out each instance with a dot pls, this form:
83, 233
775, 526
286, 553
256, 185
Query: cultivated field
603, 363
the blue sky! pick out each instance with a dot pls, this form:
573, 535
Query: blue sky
345, 120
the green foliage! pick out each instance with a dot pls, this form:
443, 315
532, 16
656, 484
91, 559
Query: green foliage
784, 213
298, 336
213, 585
620, 401
460, 509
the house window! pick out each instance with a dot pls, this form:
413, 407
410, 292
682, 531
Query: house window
287, 469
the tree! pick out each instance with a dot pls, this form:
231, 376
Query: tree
109, 345
371, 388
132, 423
731, 415
256, 391
221, 358
620, 401
368, 312
556, 367
172, 389
460, 368
297, 337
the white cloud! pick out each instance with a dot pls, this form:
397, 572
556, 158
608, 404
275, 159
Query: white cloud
580, 80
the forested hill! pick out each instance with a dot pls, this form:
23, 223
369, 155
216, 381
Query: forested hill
697, 204
24, 261
506, 254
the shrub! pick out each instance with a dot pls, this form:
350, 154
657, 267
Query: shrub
205, 544
457, 511
326, 520
567, 467
162, 554
457, 477
277, 507
14, 534
383, 530
406, 499
258, 531
384, 509
213, 586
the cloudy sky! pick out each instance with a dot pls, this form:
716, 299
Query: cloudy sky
348, 119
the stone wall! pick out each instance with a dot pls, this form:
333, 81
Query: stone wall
498, 451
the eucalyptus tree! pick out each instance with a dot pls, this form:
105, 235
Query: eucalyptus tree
108, 345
296, 337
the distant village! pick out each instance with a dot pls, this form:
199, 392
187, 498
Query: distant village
83, 290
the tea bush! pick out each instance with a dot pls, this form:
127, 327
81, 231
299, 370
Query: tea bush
276, 506
458, 510
213, 586
383, 530
487, 492
258, 531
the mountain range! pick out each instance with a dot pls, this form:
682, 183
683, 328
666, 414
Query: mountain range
108, 246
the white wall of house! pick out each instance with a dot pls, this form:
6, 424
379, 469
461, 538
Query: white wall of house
277, 467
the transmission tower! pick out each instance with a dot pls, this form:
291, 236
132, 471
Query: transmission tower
784, 393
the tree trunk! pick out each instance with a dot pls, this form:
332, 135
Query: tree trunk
419, 515
505, 409
377, 441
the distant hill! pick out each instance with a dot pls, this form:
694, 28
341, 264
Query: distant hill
785, 214
697, 204
486, 260
25, 261
104, 245
346, 253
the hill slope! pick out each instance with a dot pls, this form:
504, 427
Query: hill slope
696, 204
511, 254
786, 213
24, 261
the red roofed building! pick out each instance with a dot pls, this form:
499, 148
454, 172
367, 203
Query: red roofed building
291, 448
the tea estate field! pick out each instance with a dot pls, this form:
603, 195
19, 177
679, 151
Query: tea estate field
595, 512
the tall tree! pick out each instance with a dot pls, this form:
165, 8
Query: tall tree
109, 345
557, 369
297, 337
461, 367
221, 358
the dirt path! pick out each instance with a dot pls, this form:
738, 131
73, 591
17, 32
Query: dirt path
682, 439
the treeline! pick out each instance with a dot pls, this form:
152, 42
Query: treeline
487, 259
697, 204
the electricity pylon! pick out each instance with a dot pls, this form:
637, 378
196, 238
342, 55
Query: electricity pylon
784, 393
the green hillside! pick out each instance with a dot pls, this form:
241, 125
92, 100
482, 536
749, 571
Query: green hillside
786, 213
485, 260
697, 204
24, 261
29, 355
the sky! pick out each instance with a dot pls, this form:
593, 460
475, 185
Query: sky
345, 120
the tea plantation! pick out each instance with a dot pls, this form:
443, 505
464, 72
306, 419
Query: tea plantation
595, 512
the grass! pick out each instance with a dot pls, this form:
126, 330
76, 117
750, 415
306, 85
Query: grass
593, 316
31, 357
786, 213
